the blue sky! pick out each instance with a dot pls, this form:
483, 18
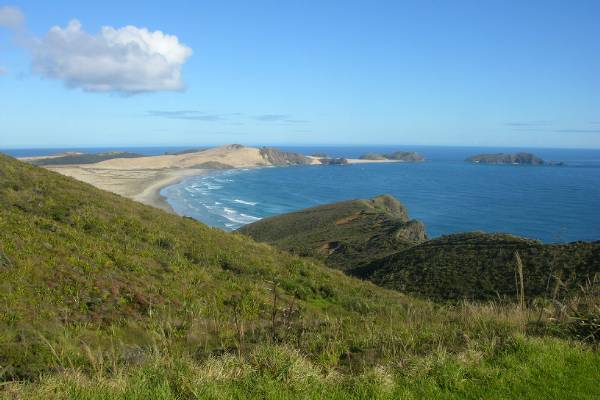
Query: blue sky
482, 73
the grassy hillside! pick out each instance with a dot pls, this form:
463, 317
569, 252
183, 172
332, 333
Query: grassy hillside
483, 266
345, 235
105, 298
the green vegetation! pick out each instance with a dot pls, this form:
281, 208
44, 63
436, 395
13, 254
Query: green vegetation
405, 156
105, 298
374, 240
372, 156
410, 156
482, 266
84, 158
345, 235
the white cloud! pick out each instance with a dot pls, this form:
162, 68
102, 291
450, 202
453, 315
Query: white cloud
126, 60
3, 71
11, 17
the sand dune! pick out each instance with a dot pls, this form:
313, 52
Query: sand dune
235, 156
142, 178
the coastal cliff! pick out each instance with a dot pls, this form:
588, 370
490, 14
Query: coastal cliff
345, 235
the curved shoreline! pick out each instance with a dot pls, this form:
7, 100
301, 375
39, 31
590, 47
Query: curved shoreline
152, 195
143, 186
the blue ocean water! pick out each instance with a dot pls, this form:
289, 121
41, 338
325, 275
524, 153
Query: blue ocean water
553, 204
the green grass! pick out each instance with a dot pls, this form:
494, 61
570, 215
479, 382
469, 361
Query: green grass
105, 298
535, 369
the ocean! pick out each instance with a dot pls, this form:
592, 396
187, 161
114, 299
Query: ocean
552, 204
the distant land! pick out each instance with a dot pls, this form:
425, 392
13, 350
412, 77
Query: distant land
80, 158
409, 156
142, 177
506, 158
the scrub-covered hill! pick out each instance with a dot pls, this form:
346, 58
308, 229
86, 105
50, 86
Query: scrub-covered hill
345, 235
484, 266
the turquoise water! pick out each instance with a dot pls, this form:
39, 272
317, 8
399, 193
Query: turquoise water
553, 204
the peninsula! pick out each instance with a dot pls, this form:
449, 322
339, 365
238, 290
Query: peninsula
141, 178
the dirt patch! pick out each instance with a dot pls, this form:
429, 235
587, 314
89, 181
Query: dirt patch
348, 219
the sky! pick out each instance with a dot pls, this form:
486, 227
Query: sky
127, 73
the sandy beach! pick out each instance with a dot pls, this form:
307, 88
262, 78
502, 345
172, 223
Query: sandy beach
140, 185
142, 178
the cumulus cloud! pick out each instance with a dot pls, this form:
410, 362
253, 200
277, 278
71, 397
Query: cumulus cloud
11, 17
126, 60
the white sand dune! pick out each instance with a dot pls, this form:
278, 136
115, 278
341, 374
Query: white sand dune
233, 155
142, 178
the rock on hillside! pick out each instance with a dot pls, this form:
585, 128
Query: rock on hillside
345, 235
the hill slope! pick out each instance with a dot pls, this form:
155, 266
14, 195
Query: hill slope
104, 298
482, 266
89, 264
345, 235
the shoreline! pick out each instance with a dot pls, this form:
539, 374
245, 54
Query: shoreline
143, 178
152, 196
143, 186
